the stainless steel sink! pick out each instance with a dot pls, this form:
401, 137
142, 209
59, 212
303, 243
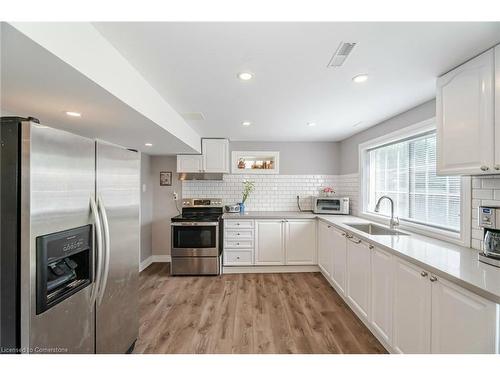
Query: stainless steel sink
376, 230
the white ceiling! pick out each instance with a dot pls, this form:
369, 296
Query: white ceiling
194, 66
36, 83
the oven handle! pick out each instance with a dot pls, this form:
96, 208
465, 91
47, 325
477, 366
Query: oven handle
195, 224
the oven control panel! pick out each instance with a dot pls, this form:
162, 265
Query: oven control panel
486, 217
202, 202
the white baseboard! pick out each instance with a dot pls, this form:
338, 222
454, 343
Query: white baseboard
269, 269
154, 259
145, 263
161, 258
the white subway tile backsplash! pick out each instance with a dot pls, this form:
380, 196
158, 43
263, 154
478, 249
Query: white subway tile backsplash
274, 192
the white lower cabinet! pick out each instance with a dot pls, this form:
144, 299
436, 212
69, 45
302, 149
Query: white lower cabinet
339, 261
382, 285
325, 253
412, 309
462, 322
358, 275
270, 242
300, 242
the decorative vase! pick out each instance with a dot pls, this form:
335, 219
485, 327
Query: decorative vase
329, 193
242, 207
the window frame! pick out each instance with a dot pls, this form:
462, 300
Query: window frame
463, 237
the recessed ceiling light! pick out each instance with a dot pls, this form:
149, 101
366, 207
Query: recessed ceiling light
311, 124
360, 78
73, 114
148, 144
246, 123
245, 76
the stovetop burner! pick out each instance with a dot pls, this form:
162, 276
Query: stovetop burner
188, 217
204, 210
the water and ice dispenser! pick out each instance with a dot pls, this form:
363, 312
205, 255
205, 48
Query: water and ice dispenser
64, 265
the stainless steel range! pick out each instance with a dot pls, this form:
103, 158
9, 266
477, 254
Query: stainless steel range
196, 234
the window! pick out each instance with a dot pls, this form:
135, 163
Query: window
406, 172
403, 166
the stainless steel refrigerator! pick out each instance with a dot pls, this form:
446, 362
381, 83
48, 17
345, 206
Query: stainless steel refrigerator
69, 242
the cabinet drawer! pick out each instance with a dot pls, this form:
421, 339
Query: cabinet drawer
238, 257
238, 234
238, 224
239, 244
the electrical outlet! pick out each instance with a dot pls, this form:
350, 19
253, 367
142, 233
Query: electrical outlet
176, 197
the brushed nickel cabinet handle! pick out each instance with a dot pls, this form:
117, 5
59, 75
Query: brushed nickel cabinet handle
497, 167
343, 234
433, 278
371, 247
484, 168
423, 274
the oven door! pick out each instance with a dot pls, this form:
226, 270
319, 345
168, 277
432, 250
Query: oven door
195, 239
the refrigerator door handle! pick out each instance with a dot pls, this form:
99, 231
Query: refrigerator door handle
98, 269
102, 288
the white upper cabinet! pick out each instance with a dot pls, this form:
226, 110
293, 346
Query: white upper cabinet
214, 158
189, 163
412, 309
215, 153
465, 118
382, 283
300, 242
462, 322
325, 254
269, 243
339, 247
358, 275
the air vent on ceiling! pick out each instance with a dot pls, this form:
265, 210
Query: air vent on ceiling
340, 55
193, 116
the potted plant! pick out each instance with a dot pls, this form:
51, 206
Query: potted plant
248, 187
328, 191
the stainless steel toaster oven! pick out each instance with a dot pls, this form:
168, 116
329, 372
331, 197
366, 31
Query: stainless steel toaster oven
331, 205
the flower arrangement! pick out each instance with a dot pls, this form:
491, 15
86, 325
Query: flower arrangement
328, 191
248, 187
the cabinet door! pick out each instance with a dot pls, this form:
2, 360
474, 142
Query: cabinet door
358, 275
325, 254
300, 244
412, 309
382, 282
215, 155
465, 118
462, 322
269, 245
497, 108
339, 248
189, 164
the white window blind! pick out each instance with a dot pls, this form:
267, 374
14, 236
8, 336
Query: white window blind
406, 172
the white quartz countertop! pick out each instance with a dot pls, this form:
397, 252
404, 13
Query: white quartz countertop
456, 263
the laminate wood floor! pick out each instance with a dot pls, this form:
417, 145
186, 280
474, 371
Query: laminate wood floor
246, 313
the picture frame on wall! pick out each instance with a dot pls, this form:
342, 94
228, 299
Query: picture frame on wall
165, 178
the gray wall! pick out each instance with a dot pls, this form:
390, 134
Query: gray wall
146, 208
299, 157
164, 206
349, 147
